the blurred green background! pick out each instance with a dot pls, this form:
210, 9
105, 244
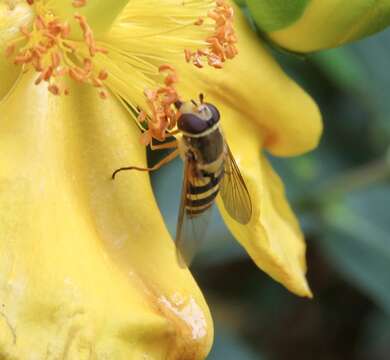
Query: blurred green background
341, 195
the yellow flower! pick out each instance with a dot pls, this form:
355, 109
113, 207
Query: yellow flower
87, 267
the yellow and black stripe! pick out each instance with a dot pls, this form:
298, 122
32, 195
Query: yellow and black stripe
200, 198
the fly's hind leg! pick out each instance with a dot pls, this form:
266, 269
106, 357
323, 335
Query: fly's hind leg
162, 162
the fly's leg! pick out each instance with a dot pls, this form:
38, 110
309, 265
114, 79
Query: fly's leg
162, 162
168, 145
174, 132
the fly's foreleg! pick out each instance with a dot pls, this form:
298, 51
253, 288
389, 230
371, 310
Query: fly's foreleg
162, 162
168, 145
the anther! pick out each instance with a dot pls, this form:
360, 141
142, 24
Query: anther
79, 3
221, 45
161, 102
49, 52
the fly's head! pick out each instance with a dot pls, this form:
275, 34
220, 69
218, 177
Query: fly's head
196, 118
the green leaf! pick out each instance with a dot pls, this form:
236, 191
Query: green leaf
357, 242
273, 15
308, 25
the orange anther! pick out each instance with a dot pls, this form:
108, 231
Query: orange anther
197, 61
46, 74
146, 138
79, 3
213, 15
39, 22
75, 75
48, 50
97, 82
55, 59
221, 45
102, 50
188, 55
61, 72
88, 65
162, 112
103, 94
103, 75
37, 63
199, 22
166, 67
65, 30
9, 50
54, 89
170, 79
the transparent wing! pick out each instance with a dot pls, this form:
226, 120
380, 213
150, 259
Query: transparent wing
191, 228
234, 193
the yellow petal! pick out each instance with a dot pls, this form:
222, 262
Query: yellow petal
272, 238
254, 85
100, 14
11, 18
87, 267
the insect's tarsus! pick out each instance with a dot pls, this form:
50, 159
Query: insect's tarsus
121, 169
162, 162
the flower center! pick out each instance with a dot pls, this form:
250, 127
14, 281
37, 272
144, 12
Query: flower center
45, 47
204, 29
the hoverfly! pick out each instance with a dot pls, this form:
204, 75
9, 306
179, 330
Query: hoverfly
209, 170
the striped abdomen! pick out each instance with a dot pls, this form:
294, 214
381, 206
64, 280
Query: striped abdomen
207, 171
202, 192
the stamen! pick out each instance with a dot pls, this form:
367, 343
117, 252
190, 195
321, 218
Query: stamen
49, 51
163, 114
221, 45
79, 3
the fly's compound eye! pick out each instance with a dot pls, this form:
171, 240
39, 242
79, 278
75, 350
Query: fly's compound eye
192, 124
215, 115
197, 119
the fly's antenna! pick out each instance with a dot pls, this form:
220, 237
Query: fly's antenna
201, 98
194, 102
